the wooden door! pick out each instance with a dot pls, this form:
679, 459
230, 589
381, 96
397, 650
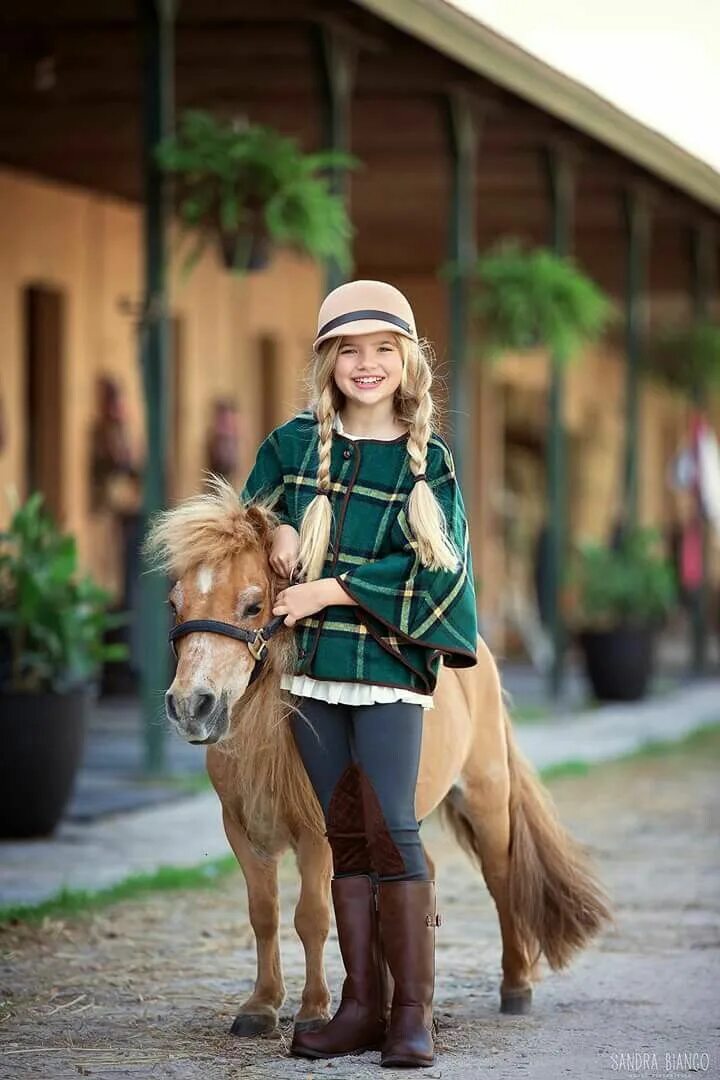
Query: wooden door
44, 319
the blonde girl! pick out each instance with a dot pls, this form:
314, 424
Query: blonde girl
373, 528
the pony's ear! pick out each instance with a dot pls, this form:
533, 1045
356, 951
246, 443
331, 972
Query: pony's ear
259, 519
261, 523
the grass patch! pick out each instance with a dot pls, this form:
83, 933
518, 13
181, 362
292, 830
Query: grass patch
529, 713
187, 783
704, 740
193, 783
567, 768
70, 902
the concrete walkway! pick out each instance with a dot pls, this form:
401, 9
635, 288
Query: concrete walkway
189, 831
611, 731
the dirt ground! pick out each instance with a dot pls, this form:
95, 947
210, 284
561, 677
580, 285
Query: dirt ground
149, 988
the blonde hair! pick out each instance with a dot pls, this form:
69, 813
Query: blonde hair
413, 405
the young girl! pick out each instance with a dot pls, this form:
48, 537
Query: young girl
373, 520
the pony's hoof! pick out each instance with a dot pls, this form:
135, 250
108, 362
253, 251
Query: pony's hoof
245, 1025
516, 1003
303, 1026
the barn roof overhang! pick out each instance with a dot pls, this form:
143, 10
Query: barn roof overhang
493, 56
71, 105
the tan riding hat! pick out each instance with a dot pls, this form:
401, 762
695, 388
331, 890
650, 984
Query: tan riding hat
364, 307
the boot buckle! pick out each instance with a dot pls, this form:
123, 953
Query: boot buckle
433, 920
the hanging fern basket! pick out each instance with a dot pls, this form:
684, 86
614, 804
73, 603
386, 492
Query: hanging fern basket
244, 251
687, 359
248, 190
528, 299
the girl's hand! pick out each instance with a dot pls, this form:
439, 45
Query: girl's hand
285, 550
298, 601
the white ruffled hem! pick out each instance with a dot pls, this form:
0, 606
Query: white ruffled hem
348, 693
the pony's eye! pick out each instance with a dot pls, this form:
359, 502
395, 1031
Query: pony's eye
254, 609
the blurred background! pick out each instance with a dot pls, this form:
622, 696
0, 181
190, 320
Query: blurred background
125, 373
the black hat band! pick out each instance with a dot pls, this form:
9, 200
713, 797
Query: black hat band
356, 316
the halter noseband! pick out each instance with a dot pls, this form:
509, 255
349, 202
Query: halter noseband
256, 640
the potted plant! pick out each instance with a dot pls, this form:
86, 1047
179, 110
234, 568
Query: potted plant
526, 299
687, 358
622, 592
52, 626
248, 189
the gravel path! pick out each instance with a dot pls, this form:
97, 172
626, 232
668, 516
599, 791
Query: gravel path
148, 989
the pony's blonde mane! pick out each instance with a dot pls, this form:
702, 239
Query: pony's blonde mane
207, 528
266, 772
414, 406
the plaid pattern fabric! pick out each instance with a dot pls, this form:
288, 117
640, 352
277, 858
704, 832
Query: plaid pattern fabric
408, 616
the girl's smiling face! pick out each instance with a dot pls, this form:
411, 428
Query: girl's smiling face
368, 367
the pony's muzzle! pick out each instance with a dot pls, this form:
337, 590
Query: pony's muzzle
200, 716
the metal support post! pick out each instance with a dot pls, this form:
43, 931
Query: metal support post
703, 284
463, 138
337, 72
157, 30
637, 223
561, 182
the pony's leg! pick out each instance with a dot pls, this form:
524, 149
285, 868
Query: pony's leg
312, 922
483, 805
259, 1014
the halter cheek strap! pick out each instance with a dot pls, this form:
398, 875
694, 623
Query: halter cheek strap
256, 640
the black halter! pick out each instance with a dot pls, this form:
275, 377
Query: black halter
256, 640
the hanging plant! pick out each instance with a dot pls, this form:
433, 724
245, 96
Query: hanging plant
687, 358
531, 299
247, 189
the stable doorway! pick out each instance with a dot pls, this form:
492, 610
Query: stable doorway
44, 336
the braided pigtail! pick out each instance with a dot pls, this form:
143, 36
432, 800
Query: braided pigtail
317, 519
415, 407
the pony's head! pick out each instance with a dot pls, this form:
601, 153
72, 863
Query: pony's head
215, 550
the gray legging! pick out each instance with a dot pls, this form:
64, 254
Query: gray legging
384, 741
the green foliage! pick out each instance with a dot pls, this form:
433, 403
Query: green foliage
630, 584
687, 358
703, 741
248, 183
529, 299
52, 622
68, 903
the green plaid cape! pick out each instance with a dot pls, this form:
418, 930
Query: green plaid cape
408, 616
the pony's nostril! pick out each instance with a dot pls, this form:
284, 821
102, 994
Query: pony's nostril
171, 706
202, 704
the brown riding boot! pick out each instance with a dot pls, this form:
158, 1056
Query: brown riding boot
359, 1023
407, 924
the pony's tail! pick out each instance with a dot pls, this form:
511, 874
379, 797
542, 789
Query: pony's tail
556, 898
556, 901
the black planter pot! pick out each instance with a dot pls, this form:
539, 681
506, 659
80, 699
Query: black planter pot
43, 737
619, 662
